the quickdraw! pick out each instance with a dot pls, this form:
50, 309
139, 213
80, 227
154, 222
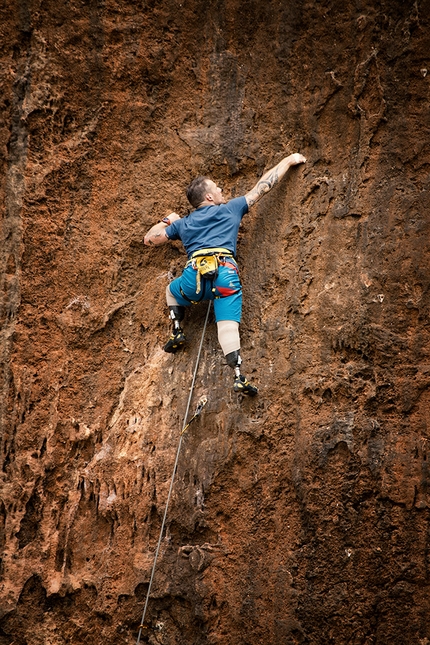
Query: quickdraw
200, 405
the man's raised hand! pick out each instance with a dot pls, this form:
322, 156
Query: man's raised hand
296, 158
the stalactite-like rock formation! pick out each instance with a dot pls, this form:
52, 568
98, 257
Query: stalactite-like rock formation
301, 516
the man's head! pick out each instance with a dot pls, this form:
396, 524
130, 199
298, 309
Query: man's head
203, 190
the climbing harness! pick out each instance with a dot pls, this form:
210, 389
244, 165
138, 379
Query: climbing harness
206, 263
202, 402
218, 250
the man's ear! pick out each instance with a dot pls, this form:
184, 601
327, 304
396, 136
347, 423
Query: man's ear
209, 197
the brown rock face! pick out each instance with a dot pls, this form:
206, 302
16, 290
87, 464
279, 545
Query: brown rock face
301, 516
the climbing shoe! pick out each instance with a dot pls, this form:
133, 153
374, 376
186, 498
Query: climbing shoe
175, 342
243, 386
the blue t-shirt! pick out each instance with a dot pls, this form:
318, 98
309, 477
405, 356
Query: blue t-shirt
210, 227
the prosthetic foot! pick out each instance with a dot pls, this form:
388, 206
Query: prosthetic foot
243, 386
241, 383
177, 339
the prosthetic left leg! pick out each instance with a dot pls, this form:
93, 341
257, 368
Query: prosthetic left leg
228, 336
241, 383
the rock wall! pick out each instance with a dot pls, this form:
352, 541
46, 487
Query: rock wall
301, 516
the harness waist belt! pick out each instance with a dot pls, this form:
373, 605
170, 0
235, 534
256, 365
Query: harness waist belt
214, 251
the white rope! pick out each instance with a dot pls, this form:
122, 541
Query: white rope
142, 625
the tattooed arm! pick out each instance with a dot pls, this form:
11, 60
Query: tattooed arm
156, 234
272, 177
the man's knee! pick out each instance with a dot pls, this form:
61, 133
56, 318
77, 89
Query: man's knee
233, 359
176, 313
170, 298
228, 336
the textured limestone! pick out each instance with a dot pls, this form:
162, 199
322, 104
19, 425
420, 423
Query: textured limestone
301, 516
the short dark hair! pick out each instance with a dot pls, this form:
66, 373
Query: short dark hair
196, 190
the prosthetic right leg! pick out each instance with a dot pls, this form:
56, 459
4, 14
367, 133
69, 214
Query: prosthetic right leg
177, 338
228, 336
176, 315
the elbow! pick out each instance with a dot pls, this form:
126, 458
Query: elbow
156, 239
147, 240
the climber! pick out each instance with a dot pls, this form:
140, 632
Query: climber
209, 235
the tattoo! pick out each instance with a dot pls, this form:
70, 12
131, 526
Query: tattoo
263, 187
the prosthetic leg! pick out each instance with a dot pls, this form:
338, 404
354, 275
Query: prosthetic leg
241, 383
228, 336
177, 339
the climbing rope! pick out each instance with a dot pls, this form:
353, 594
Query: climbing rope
202, 402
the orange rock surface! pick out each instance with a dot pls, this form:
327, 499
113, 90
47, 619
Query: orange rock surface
300, 516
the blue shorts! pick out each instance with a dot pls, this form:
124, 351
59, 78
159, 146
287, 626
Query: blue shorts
227, 296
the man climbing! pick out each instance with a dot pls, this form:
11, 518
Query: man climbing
209, 235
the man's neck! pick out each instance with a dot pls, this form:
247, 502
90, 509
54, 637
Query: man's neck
205, 203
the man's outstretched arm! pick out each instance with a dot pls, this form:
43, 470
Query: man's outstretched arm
272, 177
156, 235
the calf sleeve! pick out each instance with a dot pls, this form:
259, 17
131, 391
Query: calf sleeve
228, 336
171, 300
